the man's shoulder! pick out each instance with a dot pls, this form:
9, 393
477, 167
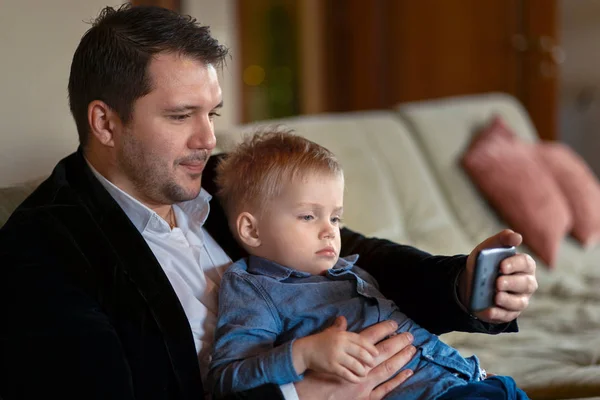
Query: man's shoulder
45, 207
48, 197
39, 218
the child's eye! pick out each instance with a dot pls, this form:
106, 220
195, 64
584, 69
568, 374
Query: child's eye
336, 220
306, 217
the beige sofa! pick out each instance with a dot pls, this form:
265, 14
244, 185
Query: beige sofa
404, 184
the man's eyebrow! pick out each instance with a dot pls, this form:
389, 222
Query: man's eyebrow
186, 107
181, 108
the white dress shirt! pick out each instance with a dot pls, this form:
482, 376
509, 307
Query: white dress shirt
192, 260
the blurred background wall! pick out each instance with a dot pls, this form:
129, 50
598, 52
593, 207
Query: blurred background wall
293, 57
37, 41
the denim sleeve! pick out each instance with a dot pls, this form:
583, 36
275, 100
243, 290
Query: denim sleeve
245, 355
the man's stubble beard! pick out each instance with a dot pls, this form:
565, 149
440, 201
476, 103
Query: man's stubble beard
149, 177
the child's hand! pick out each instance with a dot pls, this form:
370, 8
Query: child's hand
335, 351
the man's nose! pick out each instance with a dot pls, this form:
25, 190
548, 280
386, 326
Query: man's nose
203, 136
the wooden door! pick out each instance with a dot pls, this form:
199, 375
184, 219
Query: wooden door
395, 51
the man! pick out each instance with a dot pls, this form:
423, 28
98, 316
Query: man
110, 269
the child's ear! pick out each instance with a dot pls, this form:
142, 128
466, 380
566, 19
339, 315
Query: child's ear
247, 228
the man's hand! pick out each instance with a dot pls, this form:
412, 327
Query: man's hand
394, 353
514, 287
335, 351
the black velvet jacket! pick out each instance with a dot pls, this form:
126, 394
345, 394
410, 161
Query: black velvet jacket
87, 312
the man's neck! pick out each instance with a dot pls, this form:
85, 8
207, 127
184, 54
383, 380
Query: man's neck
107, 171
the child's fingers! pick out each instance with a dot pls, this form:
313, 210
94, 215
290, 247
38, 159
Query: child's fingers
347, 374
353, 364
360, 354
365, 344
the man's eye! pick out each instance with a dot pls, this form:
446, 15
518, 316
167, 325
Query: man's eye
179, 117
306, 217
214, 114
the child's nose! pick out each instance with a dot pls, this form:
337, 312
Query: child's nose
328, 232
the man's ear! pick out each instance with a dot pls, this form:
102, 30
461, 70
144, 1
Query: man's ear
103, 120
247, 228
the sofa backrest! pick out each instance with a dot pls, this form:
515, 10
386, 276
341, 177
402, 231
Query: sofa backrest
390, 192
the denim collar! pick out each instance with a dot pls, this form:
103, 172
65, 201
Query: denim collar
262, 266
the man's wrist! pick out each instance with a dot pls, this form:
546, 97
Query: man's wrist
457, 294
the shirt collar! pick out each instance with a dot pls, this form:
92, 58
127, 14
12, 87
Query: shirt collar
141, 216
262, 266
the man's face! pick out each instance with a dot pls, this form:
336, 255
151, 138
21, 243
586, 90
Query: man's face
301, 228
162, 152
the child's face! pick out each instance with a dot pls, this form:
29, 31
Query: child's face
301, 228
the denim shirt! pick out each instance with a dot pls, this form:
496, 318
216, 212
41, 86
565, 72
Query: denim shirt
264, 306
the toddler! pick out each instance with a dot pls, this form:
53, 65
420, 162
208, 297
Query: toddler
284, 198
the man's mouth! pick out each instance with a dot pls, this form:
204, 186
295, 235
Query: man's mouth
196, 164
194, 167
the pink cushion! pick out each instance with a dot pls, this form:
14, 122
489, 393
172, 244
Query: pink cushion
580, 187
516, 183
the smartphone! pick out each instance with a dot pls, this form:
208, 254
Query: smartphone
487, 269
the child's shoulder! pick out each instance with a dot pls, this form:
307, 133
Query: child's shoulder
238, 267
237, 274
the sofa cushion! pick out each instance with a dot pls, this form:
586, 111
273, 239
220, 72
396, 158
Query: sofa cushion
514, 179
443, 129
580, 187
390, 192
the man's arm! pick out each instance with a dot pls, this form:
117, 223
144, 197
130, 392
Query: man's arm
422, 285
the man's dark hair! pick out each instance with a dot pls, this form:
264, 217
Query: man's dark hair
111, 61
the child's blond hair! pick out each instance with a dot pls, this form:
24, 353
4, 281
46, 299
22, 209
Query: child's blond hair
258, 169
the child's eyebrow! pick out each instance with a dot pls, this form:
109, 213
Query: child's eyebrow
313, 205
318, 207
